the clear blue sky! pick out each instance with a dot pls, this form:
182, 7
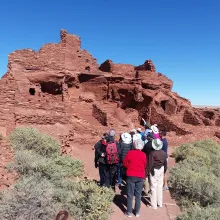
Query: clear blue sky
181, 37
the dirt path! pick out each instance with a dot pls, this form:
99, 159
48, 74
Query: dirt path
169, 210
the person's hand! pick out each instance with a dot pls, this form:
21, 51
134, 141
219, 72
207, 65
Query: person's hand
144, 121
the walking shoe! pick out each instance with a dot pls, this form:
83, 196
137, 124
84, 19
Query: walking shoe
128, 214
151, 207
137, 215
165, 188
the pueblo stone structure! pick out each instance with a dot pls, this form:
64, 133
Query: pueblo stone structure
62, 91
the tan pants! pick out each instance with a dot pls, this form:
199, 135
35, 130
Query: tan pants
146, 185
156, 186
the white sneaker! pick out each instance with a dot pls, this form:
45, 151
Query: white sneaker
165, 188
129, 215
138, 215
151, 207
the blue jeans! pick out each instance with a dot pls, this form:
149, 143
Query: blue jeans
119, 172
134, 188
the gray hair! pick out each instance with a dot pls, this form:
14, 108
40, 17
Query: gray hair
112, 132
138, 144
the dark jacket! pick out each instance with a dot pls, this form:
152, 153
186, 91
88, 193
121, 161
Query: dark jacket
124, 150
148, 149
165, 146
101, 148
157, 159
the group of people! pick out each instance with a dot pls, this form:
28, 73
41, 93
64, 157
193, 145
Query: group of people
139, 158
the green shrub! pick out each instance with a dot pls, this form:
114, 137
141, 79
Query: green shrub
68, 166
195, 179
32, 139
198, 213
50, 182
196, 186
31, 198
189, 150
86, 200
205, 149
29, 163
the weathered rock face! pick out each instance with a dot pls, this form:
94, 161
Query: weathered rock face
61, 90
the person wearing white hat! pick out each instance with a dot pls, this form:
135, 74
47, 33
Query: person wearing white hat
155, 131
157, 166
147, 128
125, 146
136, 136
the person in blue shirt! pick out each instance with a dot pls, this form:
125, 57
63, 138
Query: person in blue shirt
147, 128
163, 134
139, 131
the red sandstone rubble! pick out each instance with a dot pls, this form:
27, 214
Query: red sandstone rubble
62, 91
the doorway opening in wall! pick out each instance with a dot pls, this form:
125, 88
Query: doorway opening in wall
87, 68
52, 88
32, 91
163, 105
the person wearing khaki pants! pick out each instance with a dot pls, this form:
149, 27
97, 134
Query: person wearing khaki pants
157, 167
156, 195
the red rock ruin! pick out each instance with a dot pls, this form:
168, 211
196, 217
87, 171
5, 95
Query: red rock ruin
62, 90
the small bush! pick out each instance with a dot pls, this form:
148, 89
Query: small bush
31, 198
85, 200
189, 150
198, 213
32, 139
29, 163
195, 179
68, 166
205, 149
50, 182
197, 186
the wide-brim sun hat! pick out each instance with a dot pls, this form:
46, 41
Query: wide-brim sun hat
133, 131
139, 129
157, 144
138, 144
136, 137
126, 138
155, 129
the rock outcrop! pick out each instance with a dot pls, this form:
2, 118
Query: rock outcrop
62, 90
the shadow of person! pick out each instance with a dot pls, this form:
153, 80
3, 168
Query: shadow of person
121, 202
146, 200
123, 190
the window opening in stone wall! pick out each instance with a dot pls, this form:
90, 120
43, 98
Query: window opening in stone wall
32, 91
51, 88
163, 105
87, 68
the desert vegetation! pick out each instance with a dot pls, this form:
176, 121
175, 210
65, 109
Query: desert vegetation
49, 182
194, 181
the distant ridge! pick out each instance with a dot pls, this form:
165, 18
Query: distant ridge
206, 106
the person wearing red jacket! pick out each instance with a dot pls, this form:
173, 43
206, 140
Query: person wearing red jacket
135, 163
